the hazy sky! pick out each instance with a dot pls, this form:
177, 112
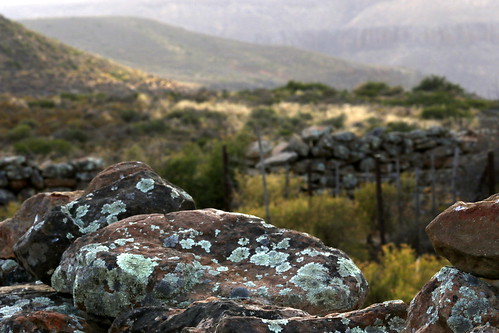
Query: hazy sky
5, 3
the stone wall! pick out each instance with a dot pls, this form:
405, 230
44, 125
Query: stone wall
20, 177
344, 160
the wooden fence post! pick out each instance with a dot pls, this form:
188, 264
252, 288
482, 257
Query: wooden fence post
264, 179
379, 201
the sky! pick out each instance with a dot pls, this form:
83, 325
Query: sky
8, 3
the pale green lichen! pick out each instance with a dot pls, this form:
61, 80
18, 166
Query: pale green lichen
113, 210
70, 235
187, 243
145, 185
239, 254
206, 245
283, 267
348, 268
243, 241
123, 241
285, 291
275, 325
468, 311
320, 289
138, 266
283, 244
9, 311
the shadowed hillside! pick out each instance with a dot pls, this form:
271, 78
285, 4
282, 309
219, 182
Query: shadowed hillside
31, 64
175, 53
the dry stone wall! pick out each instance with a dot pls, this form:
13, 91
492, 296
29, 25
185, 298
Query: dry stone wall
21, 177
343, 160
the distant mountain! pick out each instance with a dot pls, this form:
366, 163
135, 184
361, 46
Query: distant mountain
453, 38
214, 62
31, 64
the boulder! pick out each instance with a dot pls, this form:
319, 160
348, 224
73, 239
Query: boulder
297, 145
11, 273
31, 211
467, 235
453, 301
40, 248
6, 197
38, 308
253, 151
281, 159
182, 257
114, 173
216, 315
313, 134
200, 316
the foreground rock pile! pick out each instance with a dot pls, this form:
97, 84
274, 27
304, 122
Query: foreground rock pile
131, 253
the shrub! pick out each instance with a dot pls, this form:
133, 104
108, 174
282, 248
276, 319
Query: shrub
436, 83
150, 127
399, 274
372, 89
9, 210
42, 146
400, 126
337, 122
42, 103
21, 131
442, 112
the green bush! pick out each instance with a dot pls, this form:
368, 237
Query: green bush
21, 131
337, 122
150, 127
400, 126
436, 83
399, 273
442, 112
42, 146
42, 103
372, 89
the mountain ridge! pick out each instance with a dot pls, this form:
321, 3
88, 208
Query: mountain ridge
31, 64
215, 62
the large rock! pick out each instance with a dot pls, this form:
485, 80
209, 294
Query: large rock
37, 308
215, 315
11, 273
467, 234
40, 248
32, 210
186, 256
114, 173
201, 316
453, 301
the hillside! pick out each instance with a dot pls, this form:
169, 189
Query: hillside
31, 64
176, 53
457, 39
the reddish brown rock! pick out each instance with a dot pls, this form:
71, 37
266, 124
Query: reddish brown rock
453, 301
40, 248
38, 308
216, 315
32, 210
186, 256
60, 182
114, 173
467, 234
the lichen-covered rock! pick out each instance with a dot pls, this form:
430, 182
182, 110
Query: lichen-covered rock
40, 248
32, 210
467, 234
281, 159
11, 273
38, 308
186, 256
453, 301
388, 317
216, 315
114, 173
201, 316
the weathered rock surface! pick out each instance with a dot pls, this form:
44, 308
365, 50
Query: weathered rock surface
33, 209
40, 248
453, 301
38, 308
467, 234
216, 315
182, 257
11, 273
114, 173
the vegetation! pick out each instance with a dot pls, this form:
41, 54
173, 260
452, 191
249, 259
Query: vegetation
182, 136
